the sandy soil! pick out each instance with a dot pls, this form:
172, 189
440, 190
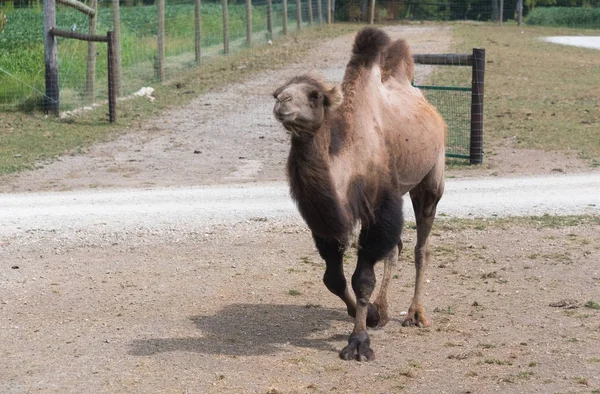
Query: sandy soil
239, 307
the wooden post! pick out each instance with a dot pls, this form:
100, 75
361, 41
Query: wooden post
320, 12
197, 30
299, 14
329, 19
520, 12
160, 56
51, 99
117, 45
249, 22
225, 27
372, 12
270, 19
285, 16
112, 94
310, 13
91, 57
478, 76
501, 12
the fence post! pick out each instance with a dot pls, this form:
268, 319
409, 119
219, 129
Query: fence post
320, 13
117, 43
269, 19
225, 27
51, 99
91, 56
372, 12
249, 22
520, 12
329, 19
197, 30
299, 14
285, 12
310, 13
478, 75
501, 10
112, 94
160, 57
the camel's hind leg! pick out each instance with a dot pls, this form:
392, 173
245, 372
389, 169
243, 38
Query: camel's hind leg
389, 263
425, 197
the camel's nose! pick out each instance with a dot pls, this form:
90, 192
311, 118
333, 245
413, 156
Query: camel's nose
283, 97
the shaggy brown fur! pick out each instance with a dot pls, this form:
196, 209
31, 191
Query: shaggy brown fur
354, 153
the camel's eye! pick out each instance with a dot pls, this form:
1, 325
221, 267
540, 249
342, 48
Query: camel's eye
314, 95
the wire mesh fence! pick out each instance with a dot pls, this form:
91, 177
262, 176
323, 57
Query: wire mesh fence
22, 74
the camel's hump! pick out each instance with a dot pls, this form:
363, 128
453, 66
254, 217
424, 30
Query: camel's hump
368, 44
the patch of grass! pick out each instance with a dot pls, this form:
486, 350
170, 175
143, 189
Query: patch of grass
522, 107
592, 305
525, 375
486, 345
294, 292
497, 361
538, 222
532, 364
581, 380
446, 311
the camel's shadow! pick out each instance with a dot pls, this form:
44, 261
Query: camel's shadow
251, 329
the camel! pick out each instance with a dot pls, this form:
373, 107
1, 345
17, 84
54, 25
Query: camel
356, 149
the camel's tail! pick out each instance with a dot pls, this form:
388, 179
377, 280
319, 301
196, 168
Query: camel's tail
373, 45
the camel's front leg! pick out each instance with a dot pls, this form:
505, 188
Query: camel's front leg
376, 241
359, 343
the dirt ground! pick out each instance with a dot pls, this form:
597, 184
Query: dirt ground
240, 308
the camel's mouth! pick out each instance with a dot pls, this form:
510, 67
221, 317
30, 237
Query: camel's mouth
284, 117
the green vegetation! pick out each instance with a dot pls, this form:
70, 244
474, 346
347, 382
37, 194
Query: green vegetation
538, 95
22, 54
581, 17
592, 305
538, 222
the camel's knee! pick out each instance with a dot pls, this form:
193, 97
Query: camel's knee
329, 249
363, 282
421, 255
335, 282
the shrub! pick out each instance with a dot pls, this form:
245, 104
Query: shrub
580, 17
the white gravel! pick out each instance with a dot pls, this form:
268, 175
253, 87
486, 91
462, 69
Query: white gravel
203, 207
592, 42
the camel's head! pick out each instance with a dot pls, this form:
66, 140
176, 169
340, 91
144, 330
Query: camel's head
302, 104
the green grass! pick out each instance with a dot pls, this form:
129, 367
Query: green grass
538, 222
538, 95
22, 47
592, 305
582, 17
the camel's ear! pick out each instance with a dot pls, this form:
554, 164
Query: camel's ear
335, 97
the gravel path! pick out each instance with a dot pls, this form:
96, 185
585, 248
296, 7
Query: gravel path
203, 207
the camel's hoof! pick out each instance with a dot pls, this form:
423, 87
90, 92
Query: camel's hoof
373, 317
358, 348
416, 321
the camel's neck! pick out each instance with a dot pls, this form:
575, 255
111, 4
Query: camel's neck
312, 184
